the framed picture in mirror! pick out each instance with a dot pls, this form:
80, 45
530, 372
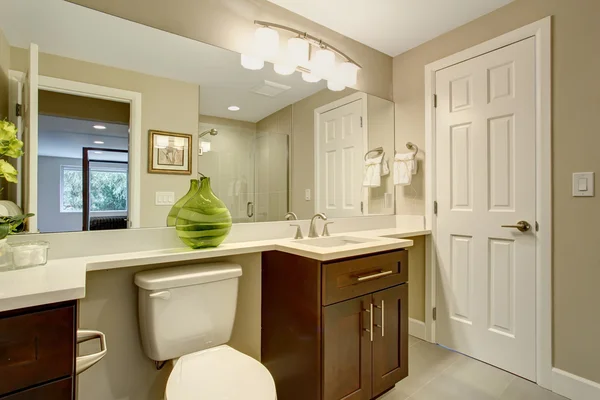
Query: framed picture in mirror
169, 153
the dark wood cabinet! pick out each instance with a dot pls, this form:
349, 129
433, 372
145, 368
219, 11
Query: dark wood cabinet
347, 350
335, 330
37, 352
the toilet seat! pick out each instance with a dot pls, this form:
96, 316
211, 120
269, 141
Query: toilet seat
219, 373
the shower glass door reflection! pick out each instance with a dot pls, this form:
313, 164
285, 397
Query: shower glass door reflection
249, 171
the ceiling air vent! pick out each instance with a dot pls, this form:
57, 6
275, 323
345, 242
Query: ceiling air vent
270, 89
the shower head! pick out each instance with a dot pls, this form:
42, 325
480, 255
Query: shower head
213, 132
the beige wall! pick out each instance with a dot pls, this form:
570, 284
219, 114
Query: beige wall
110, 306
71, 106
167, 105
4, 67
575, 137
229, 24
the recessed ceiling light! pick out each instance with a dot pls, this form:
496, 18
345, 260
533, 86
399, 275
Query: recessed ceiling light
98, 142
233, 108
98, 152
101, 127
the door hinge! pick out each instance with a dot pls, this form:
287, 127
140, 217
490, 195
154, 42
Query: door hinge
19, 110
537, 226
435, 207
361, 122
362, 207
434, 313
435, 101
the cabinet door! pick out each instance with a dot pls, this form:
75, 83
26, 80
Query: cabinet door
390, 344
347, 350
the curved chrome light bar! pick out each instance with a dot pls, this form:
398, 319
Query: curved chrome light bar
310, 38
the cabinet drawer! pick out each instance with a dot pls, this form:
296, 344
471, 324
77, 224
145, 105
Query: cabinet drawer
59, 390
36, 348
356, 277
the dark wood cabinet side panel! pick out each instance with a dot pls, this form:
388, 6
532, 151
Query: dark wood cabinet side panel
36, 348
390, 346
291, 324
59, 390
347, 350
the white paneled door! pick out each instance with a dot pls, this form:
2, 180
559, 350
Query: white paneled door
340, 151
485, 179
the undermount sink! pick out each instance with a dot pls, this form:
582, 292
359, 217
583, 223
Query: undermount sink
334, 241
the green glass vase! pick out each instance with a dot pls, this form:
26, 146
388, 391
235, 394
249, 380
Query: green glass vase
172, 217
204, 220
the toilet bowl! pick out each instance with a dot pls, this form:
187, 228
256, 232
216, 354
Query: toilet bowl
186, 314
220, 373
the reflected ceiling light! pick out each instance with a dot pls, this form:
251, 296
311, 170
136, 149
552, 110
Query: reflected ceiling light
233, 108
267, 42
284, 69
323, 64
253, 63
100, 127
298, 50
335, 86
327, 62
97, 152
98, 142
310, 78
348, 73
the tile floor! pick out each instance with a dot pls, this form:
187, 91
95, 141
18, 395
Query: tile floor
440, 374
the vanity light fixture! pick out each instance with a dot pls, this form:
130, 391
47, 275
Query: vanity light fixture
99, 127
297, 57
97, 152
98, 142
233, 108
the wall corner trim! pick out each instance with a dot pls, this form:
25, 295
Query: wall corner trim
574, 387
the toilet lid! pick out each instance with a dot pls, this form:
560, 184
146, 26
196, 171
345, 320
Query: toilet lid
220, 373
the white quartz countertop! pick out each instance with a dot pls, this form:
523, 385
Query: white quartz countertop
64, 279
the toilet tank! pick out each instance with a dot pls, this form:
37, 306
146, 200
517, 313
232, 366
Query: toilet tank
186, 309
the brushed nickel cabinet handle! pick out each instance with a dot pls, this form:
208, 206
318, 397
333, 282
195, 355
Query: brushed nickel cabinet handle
378, 274
370, 311
382, 326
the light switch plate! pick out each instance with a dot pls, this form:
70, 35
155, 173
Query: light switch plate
307, 194
165, 198
583, 184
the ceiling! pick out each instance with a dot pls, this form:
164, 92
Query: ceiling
73, 31
66, 137
391, 26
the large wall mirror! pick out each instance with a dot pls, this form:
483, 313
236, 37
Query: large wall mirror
271, 144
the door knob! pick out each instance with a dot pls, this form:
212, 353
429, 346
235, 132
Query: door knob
522, 226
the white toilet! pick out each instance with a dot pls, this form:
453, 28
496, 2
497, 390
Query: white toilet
187, 313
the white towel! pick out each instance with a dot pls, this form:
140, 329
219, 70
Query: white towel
404, 168
372, 176
385, 169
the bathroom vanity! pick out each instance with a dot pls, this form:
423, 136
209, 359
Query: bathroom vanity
37, 352
335, 329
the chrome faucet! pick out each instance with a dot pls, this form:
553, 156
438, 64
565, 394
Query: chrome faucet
291, 216
312, 233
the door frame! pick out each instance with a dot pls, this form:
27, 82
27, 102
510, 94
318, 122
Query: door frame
317, 116
541, 31
135, 126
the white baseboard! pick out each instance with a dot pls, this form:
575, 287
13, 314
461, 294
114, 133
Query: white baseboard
416, 328
574, 387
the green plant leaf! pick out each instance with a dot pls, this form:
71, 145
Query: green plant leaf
4, 230
8, 171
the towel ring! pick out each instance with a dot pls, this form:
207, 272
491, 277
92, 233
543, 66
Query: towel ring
412, 146
378, 150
